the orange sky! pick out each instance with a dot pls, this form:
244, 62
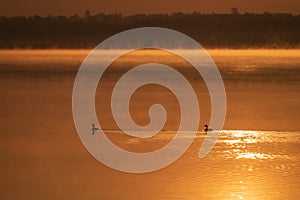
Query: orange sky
126, 7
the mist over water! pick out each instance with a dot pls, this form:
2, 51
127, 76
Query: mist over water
261, 85
256, 157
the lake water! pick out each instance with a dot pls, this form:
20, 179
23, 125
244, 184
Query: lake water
256, 157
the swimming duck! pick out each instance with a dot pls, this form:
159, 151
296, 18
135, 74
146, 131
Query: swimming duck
94, 129
206, 129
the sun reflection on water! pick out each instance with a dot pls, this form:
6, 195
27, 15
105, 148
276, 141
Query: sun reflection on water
252, 155
247, 144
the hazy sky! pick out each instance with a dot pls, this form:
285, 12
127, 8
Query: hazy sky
126, 7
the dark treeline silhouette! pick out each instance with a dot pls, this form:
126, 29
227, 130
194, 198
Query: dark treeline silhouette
211, 30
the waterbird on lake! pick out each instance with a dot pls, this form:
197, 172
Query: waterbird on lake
94, 129
206, 129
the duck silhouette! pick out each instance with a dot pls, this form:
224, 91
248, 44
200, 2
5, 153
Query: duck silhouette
206, 129
94, 129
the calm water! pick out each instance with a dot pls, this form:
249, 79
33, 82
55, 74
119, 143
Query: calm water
256, 157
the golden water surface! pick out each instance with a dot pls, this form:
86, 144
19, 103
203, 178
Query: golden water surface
256, 157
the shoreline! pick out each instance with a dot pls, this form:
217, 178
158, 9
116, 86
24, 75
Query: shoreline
89, 49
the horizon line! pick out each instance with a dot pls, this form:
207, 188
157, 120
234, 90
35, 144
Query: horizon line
154, 13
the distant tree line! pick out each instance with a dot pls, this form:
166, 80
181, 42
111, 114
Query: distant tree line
210, 30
